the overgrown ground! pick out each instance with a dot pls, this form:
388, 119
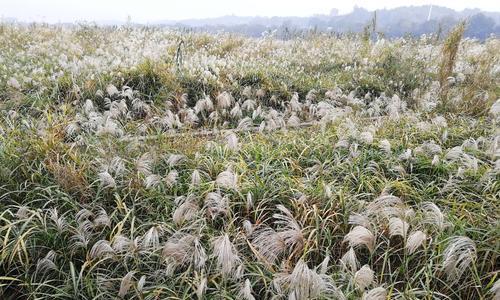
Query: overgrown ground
333, 168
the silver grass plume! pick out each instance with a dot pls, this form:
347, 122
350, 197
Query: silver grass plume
227, 179
141, 283
378, 293
224, 100
47, 263
248, 227
151, 239
145, 163
171, 178
216, 205
175, 160
59, 221
236, 112
385, 206
226, 255
245, 123
107, 181
495, 289
304, 283
195, 178
249, 202
268, 243
245, 292
291, 231
126, 284
434, 216
359, 235
201, 288
385, 146
101, 249
458, 256
398, 227
349, 261
186, 210
415, 240
249, 105
366, 137
152, 181
182, 249
323, 267
364, 277
101, 219
232, 142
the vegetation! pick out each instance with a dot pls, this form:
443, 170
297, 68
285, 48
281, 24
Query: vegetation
144, 163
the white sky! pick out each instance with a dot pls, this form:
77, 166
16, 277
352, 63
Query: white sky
153, 10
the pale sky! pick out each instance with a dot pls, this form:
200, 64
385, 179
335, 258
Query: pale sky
153, 10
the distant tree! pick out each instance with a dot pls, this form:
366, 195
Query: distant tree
480, 26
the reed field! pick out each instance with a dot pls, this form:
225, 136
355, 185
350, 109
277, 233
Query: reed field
143, 162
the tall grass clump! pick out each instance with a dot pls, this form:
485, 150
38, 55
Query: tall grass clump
448, 58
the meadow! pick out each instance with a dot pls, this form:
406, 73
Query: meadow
150, 163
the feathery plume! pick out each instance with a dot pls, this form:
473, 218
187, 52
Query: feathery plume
226, 255
59, 221
107, 181
182, 249
291, 233
415, 240
495, 289
186, 211
152, 181
175, 160
216, 204
101, 219
366, 137
398, 227
248, 227
359, 235
434, 216
495, 109
101, 249
126, 284
151, 239
304, 283
249, 202
323, 267
171, 178
269, 243
359, 219
385, 206
232, 142
195, 178
47, 263
378, 293
363, 278
224, 100
246, 291
227, 179
385, 146
121, 243
111, 90
201, 287
144, 164
141, 282
236, 112
13, 83
457, 257
349, 261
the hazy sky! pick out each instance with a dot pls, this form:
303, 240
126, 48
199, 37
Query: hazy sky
151, 10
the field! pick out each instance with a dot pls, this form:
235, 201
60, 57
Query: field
150, 163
